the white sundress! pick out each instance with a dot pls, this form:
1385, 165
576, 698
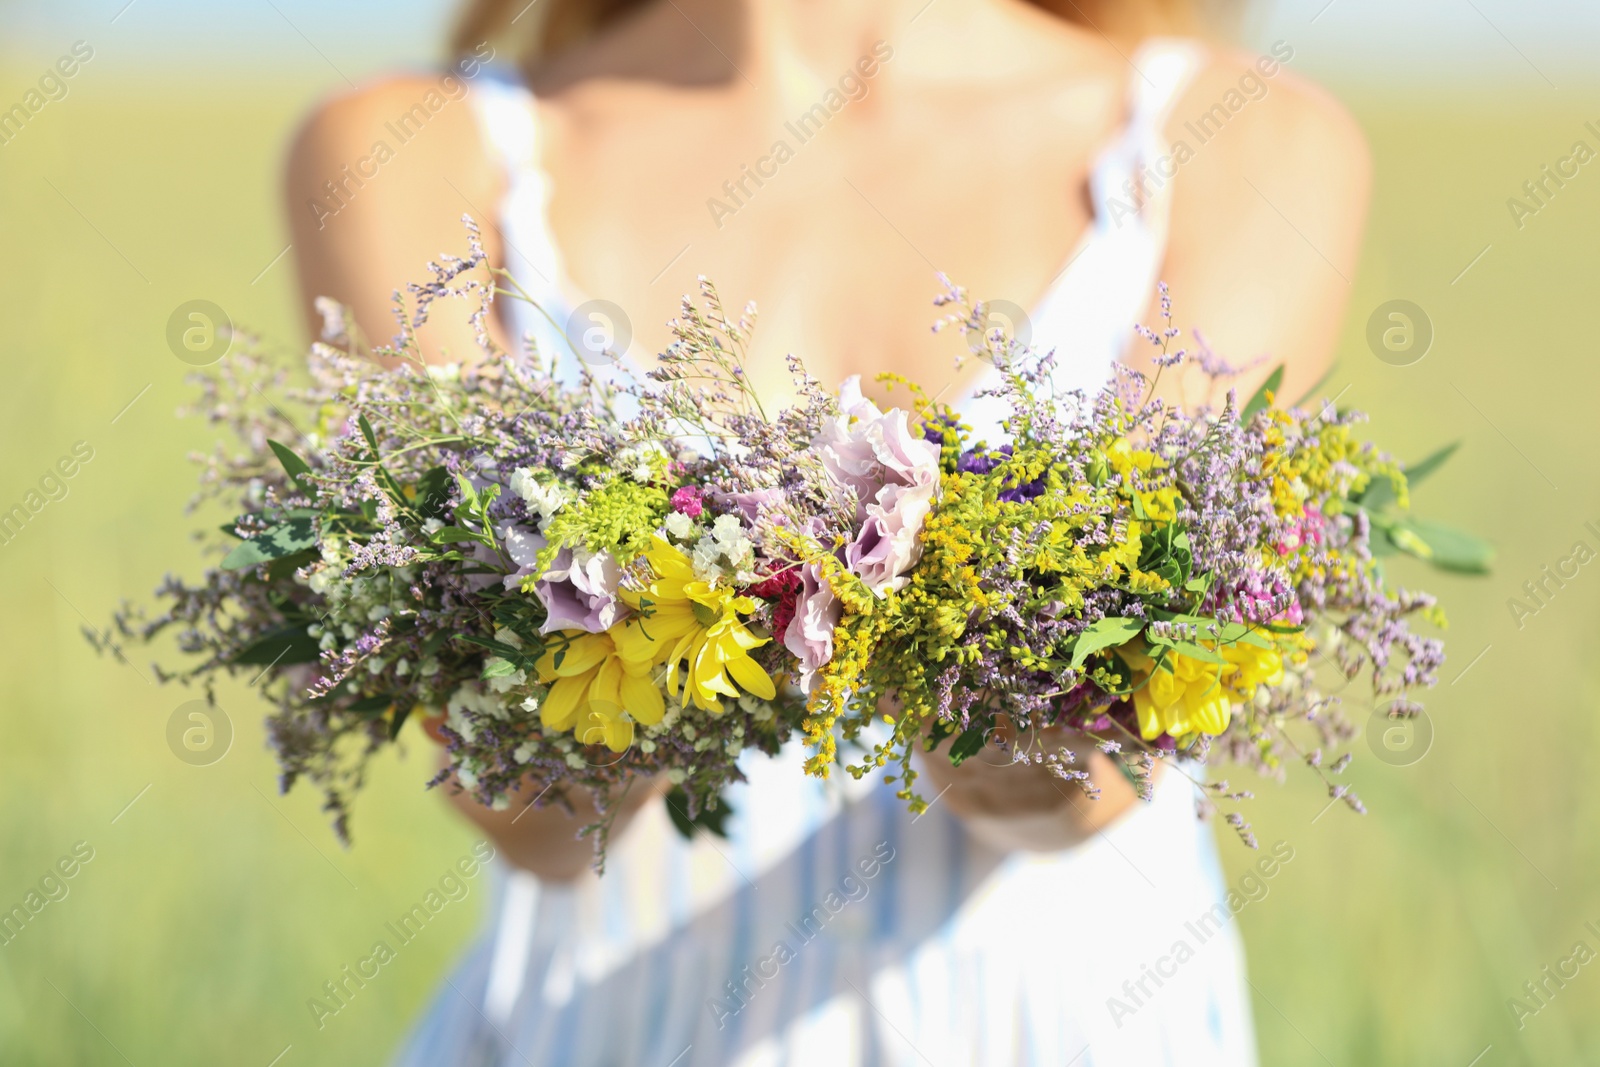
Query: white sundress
831, 927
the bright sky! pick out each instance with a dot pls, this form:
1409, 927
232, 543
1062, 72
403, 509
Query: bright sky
1516, 43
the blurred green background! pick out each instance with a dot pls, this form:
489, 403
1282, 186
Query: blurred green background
213, 908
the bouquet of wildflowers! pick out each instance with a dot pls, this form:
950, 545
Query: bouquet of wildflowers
570, 597
1163, 581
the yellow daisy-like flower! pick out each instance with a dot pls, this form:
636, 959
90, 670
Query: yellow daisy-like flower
1195, 695
596, 692
694, 627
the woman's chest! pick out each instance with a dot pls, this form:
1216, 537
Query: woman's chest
838, 233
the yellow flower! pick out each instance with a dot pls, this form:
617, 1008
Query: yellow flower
1160, 503
694, 628
1189, 695
597, 693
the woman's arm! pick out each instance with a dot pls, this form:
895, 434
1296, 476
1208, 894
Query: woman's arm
361, 229
1267, 219
368, 211
1267, 223
544, 840
1026, 807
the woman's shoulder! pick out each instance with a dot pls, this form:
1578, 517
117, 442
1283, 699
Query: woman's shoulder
429, 114
1252, 115
1270, 179
376, 182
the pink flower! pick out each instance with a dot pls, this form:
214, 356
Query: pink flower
810, 633
888, 544
1306, 530
687, 500
579, 592
895, 475
867, 449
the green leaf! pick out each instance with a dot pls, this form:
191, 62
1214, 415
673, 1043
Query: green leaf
371, 438
450, 535
713, 817
1379, 542
287, 538
522, 659
1259, 400
1105, 633
1194, 651
498, 668
288, 644
1233, 633
368, 705
296, 468
1418, 471
1378, 494
282, 569
433, 492
397, 722
1452, 549
469, 495
1409, 541
968, 744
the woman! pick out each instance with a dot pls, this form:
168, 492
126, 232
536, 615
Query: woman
824, 158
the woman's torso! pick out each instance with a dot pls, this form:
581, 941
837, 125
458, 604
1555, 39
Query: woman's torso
834, 209
830, 926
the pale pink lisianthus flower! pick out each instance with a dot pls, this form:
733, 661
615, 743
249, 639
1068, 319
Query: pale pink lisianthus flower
895, 474
523, 546
579, 592
889, 544
810, 633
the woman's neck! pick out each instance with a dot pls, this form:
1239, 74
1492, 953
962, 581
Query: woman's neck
817, 34
788, 44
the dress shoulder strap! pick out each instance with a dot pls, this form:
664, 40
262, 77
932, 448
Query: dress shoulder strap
508, 118
1164, 67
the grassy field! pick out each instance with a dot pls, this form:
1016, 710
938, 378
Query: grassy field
212, 908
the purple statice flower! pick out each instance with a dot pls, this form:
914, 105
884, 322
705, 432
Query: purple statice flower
1258, 597
750, 505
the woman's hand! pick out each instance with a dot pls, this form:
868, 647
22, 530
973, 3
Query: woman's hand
544, 840
1026, 807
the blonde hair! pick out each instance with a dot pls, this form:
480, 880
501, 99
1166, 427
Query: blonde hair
563, 23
